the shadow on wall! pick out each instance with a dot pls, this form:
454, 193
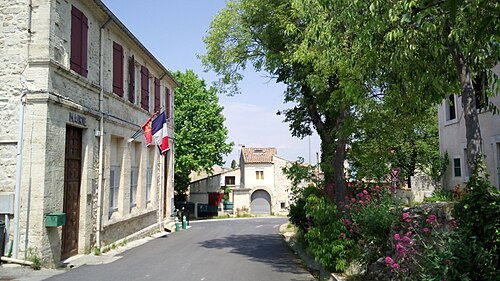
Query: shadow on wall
259, 248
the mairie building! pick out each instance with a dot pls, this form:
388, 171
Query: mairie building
75, 87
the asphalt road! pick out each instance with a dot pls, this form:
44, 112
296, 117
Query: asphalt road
215, 250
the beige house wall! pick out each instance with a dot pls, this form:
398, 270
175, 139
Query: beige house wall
452, 140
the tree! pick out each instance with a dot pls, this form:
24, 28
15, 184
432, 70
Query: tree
200, 134
386, 139
234, 165
266, 35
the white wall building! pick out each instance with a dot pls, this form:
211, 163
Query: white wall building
76, 86
452, 140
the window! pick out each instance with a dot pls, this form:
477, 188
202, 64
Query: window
230, 180
131, 79
168, 110
283, 205
149, 179
450, 108
116, 158
79, 30
149, 174
144, 88
457, 167
480, 83
157, 95
114, 184
259, 175
134, 171
117, 69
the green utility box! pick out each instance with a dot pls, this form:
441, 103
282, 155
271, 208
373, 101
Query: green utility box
55, 219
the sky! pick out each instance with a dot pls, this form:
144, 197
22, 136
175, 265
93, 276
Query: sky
173, 32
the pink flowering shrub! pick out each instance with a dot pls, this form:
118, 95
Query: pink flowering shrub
368, 215
425, 248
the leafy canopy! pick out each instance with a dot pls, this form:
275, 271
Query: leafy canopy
200, 133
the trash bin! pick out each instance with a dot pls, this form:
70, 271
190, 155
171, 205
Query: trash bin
2, 237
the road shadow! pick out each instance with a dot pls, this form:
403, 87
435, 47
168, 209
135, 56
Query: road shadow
268, 249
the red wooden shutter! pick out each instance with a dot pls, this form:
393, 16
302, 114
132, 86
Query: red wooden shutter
167, 102
79, 30
157, 94
131, 79
117, 69
76, 40
144, 88
85, 28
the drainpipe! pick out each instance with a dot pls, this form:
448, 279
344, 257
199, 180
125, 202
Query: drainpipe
101, 139
19, 168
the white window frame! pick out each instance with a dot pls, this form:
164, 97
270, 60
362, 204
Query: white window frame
134, 176
447, 106
114, 188
149, 181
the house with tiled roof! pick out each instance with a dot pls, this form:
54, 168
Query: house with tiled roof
258, 186
264, 188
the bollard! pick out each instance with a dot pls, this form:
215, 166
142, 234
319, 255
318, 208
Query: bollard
183, 222
176, 220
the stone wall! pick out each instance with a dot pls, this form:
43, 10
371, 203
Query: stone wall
14, 37
54, 94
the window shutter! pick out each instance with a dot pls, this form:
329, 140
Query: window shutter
76, 40
167, 103
131, 79
85, 28
79, 31
157, 94
144, 88
117, 69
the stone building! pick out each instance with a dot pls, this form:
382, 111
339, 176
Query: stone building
76, 85
264, 188
453, 142
259, 186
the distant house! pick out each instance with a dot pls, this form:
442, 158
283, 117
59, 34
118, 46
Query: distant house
452, 138
258, 186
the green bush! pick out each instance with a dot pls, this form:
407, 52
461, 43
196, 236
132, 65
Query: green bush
369, 214
478, 215
326, 237
440, 195
297, 213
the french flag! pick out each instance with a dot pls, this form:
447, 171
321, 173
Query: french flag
159, 131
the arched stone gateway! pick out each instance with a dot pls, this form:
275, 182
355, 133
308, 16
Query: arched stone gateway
260, 203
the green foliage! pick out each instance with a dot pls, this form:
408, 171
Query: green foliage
478, 215
297, 212
234, 165
325, 238
34, 257
200, 134
441, 195
428, 248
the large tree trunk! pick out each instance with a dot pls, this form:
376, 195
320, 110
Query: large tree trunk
472, 129
340, 189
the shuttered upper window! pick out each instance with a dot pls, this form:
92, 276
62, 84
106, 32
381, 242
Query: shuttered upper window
117, 69
144, 88
157, 94
131, 79
79, 30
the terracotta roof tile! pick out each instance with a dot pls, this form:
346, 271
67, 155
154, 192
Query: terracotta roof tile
258, 155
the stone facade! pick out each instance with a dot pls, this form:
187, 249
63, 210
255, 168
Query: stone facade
36, 78
452, 141
273, 182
